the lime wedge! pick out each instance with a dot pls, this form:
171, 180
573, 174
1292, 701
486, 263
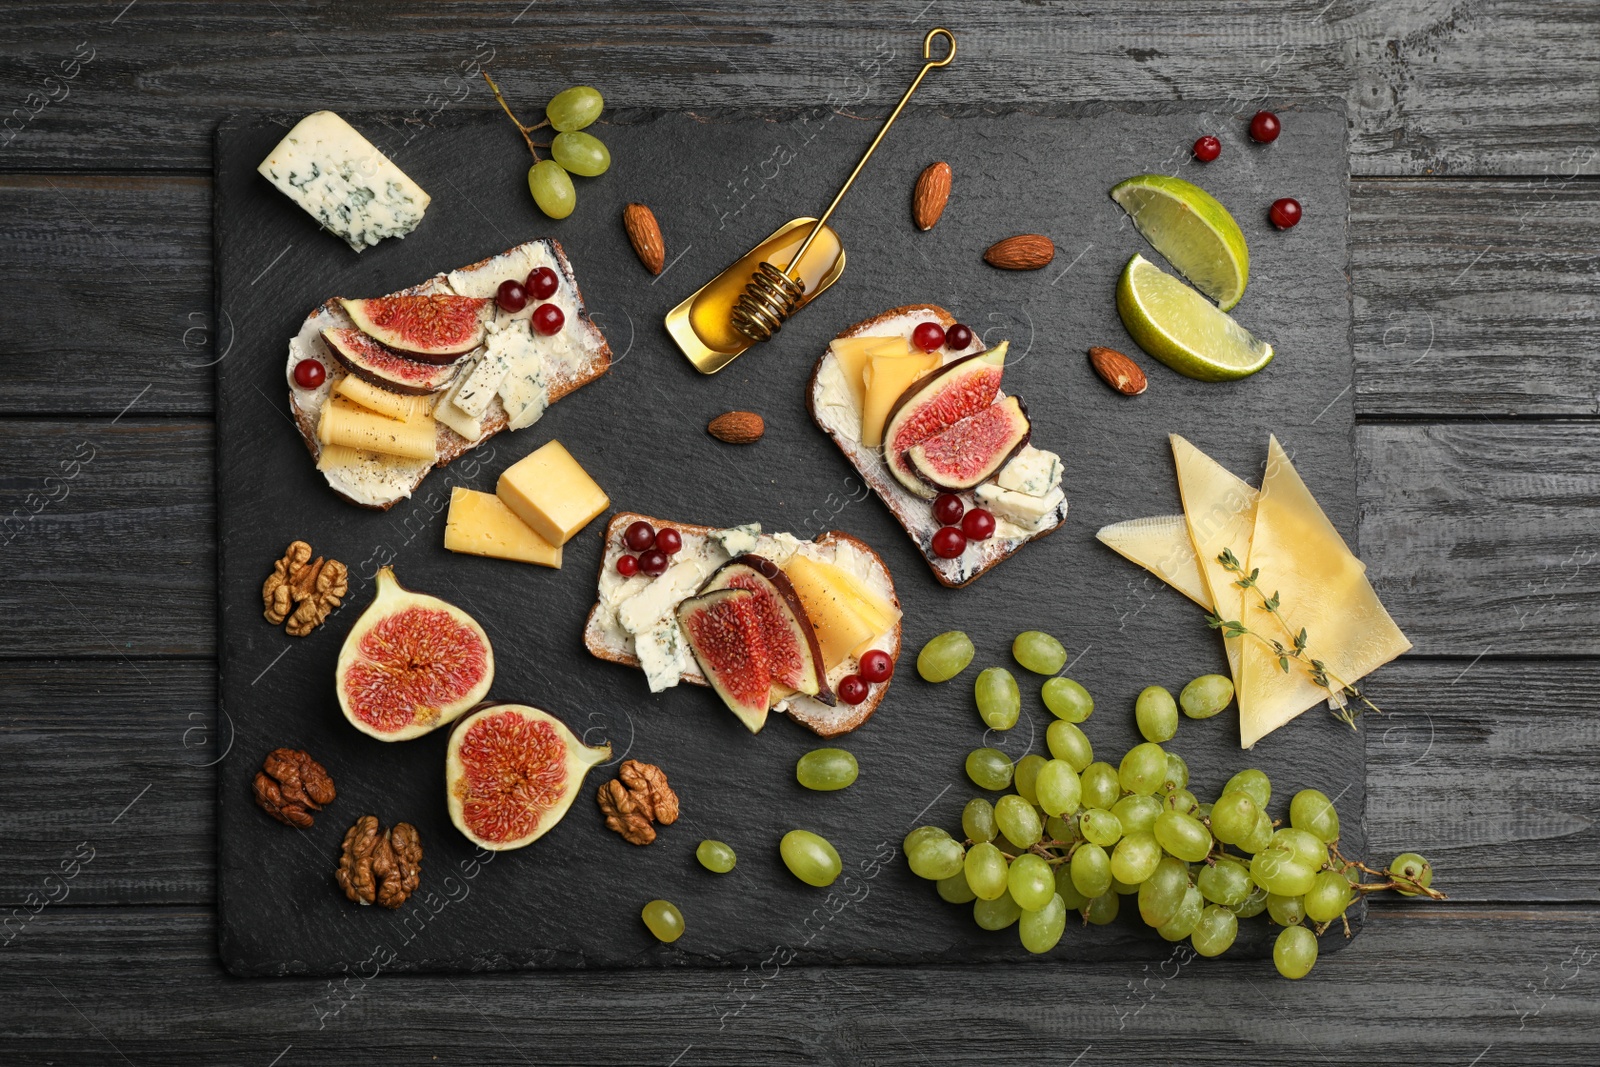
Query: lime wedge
1195, 232
1183, 329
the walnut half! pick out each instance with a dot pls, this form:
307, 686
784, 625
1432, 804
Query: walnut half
302, 591
379, 865
291, 785
638, 797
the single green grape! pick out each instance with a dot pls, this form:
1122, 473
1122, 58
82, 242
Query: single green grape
1180, 800
933, 858
999, 699
551, 187
826, 769
915, 838
1025, 779
814, 861
1162, 893
1313, 812
986, 871
1067, 890
1099, 786
1253, 905
955, 890
1253, 784
1286, 911
977, 820
1233, 817
1177, 773
1137, 813
1102, 909
1135, 857
1184, 836
1307, 849
1226, 882
581, 153
1058, 829
1260, 835
1278, 871
574, 108
1100, 827
715, 856
1018, 820
1206, 695
1090, 869
1143, 769
1215, 932
1058, 789
663, 919
1041, 928
1039, 652
1123, 889
945, 656
1031, 882
996, 914
1411, 874
1295, 952
1156, 713
1328, 896
1186, 918
1067, 699
1066, 742
989, 768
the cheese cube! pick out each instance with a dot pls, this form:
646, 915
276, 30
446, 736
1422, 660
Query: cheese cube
480, 525
1033, 471
549, 491
663, 655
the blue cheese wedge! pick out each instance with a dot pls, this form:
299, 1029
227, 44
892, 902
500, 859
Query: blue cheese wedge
663, 655
472, 396
1032, 472
446, 411
1027, 513
524, 388
344, 182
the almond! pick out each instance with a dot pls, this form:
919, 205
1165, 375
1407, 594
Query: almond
1118, 371
931, 195
737, 427
1025, 251
644, 233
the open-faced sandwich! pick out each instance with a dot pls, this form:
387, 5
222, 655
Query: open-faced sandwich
913, 400
385, 389
772, 623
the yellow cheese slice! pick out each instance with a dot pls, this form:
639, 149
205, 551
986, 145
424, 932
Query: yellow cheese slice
480, 525
885, 378
382, 401
1322, 587
853, 353
1220, 511
832, 608
549, 491
343, 423
1161, 545
829, 581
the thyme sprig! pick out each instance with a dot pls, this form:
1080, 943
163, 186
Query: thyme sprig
1355, 702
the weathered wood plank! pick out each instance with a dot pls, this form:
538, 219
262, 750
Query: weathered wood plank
1414, 980
1433, 86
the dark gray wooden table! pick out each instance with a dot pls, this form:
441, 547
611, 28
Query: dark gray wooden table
1475, 226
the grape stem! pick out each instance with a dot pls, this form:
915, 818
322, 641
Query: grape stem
524, 130
1389, 880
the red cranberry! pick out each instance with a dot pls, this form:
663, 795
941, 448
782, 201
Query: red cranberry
949, 542
958, 337
639, 535
1284, 213
928, 336
852, 689
1265, 127
948, 509
308, 374
875, 666
978, 525
542, 283
511, 296
669, 540
653, 562
548, 319
627, 566
1207, 148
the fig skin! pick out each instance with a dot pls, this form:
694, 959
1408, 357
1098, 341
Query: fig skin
371, 362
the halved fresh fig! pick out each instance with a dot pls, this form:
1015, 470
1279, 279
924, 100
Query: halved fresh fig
933, 404
370, 361
411, 663
511, 772
972, 450
725, 634
438, 328
793, 654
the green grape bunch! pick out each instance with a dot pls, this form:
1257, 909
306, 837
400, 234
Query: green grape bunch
572, 151
1072, 833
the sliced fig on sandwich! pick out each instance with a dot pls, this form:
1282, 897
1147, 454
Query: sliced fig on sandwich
725, 634
937, 402
793, 653
972, 451
436, 328
372, 362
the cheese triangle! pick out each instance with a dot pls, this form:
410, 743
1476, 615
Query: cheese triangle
1160, 544
1322, 587
1220, 510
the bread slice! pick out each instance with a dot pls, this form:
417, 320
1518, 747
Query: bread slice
575, 357
835, 411
604, 637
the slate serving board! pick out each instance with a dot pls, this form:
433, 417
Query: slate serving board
718, 183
